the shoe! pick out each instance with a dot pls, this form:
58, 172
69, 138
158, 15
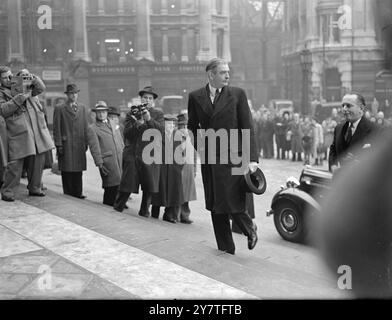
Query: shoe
186, 221
252, 239
81, 197
143, 213
43, 188
171, 220
118, 209
8, 199
37, 194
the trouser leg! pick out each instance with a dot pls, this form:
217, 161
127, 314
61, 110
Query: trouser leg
145, 205
35, 168
185, 211
155, 211
109, 195
66, 179
121, 200
12, 175
244, 223
77, 179
222, 230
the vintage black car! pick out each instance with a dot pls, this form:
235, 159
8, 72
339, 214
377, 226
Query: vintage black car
294, 204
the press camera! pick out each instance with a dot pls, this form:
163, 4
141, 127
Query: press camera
21, 83
137, 111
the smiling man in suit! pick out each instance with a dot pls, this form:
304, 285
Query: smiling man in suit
218, 106
353, 135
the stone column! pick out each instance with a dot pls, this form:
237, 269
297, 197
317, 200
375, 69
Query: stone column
226, 44
184, 51
191, 38
120, 6
123, 58
165, 45
15, 39
226, 8
80, 31
143, 36
101, 7
205, 26
102, 46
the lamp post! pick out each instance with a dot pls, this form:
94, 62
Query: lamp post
306, 63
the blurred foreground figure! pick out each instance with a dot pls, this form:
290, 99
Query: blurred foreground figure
356, 223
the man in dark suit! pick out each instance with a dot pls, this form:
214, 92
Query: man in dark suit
220, 107
353, 135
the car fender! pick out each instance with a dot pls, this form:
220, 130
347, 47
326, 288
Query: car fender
296, 196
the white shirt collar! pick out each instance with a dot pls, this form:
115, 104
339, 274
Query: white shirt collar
213, 90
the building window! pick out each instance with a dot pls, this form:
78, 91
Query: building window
174, 44
93, 6
111, 7
219, 7
174, 6
156, 6
328, 30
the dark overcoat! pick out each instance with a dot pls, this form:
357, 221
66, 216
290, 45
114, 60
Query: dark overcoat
135, 171
70, 132
171, 192
365, 133
223, 191
3, 146
27, 132
106, 146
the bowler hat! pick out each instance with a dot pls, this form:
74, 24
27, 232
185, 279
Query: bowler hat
149, 90
100, 106
182, 119
255, 182
72, 88
114, 110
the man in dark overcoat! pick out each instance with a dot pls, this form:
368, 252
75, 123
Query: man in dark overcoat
218, 106
170, 194
352, 135
106, 146
3, 149
70, 125
136, 171
28, 137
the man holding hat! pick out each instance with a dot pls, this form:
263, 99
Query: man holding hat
218, 106
70, 126
136, 172
106, 147
28, 137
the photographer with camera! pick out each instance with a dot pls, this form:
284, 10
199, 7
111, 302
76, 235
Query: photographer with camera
135, 171
27, 133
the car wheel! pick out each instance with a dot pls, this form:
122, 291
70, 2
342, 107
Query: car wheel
289, 222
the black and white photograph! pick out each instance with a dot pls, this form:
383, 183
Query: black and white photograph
195, 157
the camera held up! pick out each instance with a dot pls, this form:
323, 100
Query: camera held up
21, 83
139, 110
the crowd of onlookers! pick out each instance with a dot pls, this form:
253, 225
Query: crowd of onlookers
301, 137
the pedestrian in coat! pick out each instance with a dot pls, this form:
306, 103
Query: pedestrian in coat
171, 193
114, 116
280, 130
296, 134
137, 172
318, 142
3, 149
28, 137
70, 126
328, 128
188, 170
106, 146
218, 106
